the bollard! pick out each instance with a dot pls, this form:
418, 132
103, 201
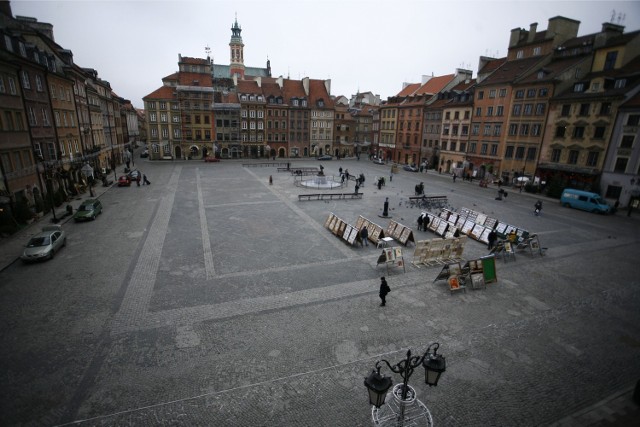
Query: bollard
270, 180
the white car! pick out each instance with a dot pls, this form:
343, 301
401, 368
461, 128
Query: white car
45, 244
378, 161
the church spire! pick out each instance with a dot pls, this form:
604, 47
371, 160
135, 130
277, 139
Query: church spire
237, 50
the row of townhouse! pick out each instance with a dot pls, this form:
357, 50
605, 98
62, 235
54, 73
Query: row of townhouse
191, 117
235, 111
55, 119
558, 107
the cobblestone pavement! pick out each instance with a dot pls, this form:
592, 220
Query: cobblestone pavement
214, 298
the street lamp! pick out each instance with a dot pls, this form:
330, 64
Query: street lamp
403, 405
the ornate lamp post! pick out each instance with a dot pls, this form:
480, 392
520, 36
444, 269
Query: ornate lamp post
403, 406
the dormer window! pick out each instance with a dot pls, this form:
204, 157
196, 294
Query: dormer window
23, 51
519, 54
260, 98
295, 102
536, 51
578, 87
252, 98
540, 74
304, 102
243, 97
620, 83
320, 103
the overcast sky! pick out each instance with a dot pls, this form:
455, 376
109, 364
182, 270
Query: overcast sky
361, 45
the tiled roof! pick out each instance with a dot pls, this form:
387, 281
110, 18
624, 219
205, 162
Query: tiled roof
409, 89
249, 86
173, 76
435, 84
492, 65
164, 92
318, 91
193, 61
553, 69
511, 70
188, 79
293, 89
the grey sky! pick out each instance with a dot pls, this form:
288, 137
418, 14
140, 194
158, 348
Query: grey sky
366, 45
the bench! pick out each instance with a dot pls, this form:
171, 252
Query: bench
329, 196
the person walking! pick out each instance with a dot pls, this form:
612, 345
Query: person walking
454, 176
384, 290
491, 238
364, 234
420, 221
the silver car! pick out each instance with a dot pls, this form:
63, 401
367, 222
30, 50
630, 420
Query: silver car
45, 244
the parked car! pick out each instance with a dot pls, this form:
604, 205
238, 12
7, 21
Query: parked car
88, 210
211, 159
45, 244
124, 181
378, 161
584, 200
144, 154
325, 157
410, 168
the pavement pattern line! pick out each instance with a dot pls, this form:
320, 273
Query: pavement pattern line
190, 315
140, 289
238, 388
338, 244
217, 205
210, 270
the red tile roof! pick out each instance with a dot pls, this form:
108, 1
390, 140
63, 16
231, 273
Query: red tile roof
193, 61
317, 91
293, 89
165, 92
188, 79
409, 89
435, 84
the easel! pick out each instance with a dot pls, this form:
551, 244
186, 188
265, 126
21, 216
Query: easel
392, 256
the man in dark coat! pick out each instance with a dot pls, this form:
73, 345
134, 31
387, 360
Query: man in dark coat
492, 239
384, 290
364, 233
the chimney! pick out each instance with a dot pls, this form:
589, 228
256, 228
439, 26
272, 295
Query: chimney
5, 8
532, 32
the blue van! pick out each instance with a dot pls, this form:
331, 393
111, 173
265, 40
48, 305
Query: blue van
584, 200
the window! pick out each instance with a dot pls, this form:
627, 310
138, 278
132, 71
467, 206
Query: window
153, 117
252, 114
163, 117
578, 87
499, 110
154, 132
508, 154
12, 86
531, 153
605, 108
45, 117
502, 93
475, 129
478, 111
516, 109
584, 109
175, 118
531, 93
578, 132
487, 130
560, 131
32, 116
536, 50
566, 110
620, 83
176, 133
528, 109
519, 54
610, 61
57, 118
165, 132
613, 192
513, 129
3, 89
489, 111
472, 147
573, 157
555, 155
599, 131
25, 80
163, 105
542, 92
632, 120
497, 128
592, 158
483, 149
492, 93
447, 115
39, 87
621, 165
520, 93
540, 109
536, 129
627, 141
524, 129
520, 153
481, 94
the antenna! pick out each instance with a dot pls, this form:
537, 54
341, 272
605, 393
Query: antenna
207, 50
613, 15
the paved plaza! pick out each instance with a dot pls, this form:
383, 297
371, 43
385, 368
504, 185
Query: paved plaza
213, 298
